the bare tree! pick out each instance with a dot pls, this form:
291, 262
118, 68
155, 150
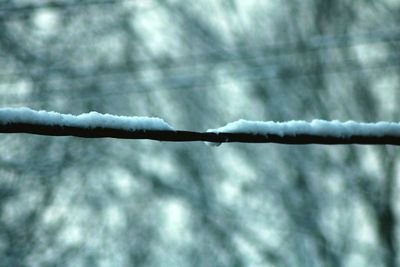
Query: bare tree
69, 201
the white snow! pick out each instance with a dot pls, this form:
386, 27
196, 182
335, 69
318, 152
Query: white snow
316, 127
85, 120
97, 120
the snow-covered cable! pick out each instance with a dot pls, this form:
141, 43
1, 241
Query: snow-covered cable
316, 127
15, 116
96, 125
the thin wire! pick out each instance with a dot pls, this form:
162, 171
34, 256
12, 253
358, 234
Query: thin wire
56, 5
207, 84
270, 70
314, 43
218, 56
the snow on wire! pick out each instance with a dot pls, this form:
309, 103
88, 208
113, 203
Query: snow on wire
315, 127
86, 120
96, 125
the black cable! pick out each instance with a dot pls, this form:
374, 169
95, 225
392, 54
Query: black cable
189, 136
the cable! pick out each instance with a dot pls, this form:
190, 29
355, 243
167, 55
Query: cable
269, 71
55, 5
254, 73
228, 55
189, 136
206, 83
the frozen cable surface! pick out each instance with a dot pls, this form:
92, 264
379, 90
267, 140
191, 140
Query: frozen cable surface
96, 125
87, 120
315, 127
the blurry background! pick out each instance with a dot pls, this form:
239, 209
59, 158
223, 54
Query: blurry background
199, 65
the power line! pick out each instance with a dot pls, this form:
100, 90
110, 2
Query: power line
189, 136
206, 83
54, 5
186, 81
263, 52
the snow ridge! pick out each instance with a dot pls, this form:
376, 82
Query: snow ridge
85, 120
291, 128
315, 127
